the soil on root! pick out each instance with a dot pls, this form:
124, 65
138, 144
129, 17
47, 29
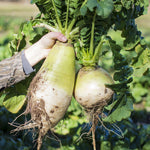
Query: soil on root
93, 114
39, 121
94, 117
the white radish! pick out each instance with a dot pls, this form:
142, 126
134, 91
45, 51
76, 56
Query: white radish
92, 93
91, 90
50, 91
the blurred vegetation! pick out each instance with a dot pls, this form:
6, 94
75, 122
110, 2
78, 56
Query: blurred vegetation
136, 129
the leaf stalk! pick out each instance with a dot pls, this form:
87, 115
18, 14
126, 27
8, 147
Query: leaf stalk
66, 23
92, 35
57, 16
98, 49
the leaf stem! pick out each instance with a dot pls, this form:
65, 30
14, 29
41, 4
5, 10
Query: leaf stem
57, 17
68, 31
98, 49
71, 25
66, 23
92, 35
48, 27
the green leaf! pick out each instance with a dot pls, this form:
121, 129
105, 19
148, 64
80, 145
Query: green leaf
91, 4
15, 97
120, 145
105, 8
2, 97
146, 146
124, 73
27, 29
142, 62
118, 8
124, 106
105, 145
138, 91
14, 103
131, 34
127, 3
145, 4
83, 10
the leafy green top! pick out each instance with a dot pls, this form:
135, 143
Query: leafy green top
61, 16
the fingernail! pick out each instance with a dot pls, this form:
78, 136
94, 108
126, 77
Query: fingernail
64, 38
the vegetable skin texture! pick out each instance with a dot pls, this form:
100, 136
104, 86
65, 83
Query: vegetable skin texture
50, 91
90, 89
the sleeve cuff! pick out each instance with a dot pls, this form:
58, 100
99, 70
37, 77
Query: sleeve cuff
25, 64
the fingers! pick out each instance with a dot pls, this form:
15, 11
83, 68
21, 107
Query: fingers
48, 40
57, 36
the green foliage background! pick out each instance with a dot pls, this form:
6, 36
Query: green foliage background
70, 132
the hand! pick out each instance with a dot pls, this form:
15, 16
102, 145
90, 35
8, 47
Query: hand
40, 49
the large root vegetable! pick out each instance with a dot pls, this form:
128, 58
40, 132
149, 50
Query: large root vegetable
50, 91
90, 89
92, 93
